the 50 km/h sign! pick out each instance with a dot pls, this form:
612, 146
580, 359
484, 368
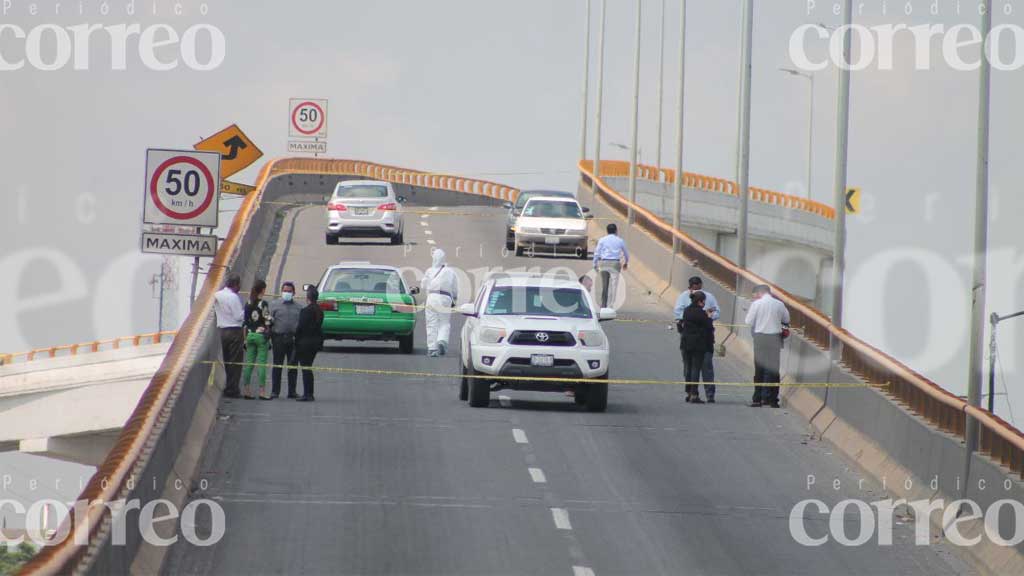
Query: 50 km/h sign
307, 118
181, 187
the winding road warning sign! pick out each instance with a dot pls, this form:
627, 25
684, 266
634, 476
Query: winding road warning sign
307, 118
181, 187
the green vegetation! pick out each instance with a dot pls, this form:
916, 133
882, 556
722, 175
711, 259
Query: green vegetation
11, 560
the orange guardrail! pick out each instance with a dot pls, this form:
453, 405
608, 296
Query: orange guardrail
620, 168
94, 346
130, 451
998, 439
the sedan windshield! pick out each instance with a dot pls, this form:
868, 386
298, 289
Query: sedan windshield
361, 192
364, 280
537, 300
527, 194
543, 209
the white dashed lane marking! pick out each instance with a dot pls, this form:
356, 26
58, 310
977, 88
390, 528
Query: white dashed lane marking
434, 208
427, 232
561, 517
429, 241
582, 571
519, 436
537, 475
423, 223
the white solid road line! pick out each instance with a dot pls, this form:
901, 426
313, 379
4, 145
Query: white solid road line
538, 475
561, 517
582, 571
519, 436
505, 401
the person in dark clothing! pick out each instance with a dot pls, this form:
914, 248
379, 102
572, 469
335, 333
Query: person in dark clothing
284, 315
309, 339
697, 338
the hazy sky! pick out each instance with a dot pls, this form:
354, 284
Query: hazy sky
493, 89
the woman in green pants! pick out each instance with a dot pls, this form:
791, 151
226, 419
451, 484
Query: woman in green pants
257, 333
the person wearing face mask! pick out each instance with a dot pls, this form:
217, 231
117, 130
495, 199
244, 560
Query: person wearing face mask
284, 316
442, 287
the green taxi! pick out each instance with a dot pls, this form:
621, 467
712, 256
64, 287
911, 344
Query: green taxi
364, 301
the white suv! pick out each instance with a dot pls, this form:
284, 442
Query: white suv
365, 208
532, 326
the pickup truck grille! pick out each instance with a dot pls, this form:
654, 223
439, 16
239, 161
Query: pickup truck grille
541, 338
553, 231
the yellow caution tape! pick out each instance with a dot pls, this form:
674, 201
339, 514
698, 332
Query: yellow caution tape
442, 376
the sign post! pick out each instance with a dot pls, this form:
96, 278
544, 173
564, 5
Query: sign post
307, 119
182, 189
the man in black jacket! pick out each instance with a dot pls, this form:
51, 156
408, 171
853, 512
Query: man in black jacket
309, 339
697, 338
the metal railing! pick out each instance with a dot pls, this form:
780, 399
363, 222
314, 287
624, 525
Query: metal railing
940, 408
94, 346
620, 168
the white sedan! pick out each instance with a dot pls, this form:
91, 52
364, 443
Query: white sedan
554, 223
365, 208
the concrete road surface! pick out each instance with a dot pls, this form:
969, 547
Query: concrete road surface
394, 475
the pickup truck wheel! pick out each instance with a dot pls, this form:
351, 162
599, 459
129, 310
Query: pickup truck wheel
464, 385
580, 396
331, 240
405, 344
479, 390
597, 395
398, 239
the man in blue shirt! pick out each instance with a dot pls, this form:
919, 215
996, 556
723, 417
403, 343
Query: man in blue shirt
610, 259
711, 307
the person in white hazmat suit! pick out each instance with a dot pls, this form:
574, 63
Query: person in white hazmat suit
442, 287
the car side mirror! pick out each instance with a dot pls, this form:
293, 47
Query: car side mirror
607, 314
414, 290
401, 199
588, 216
585, 209
507, 205
468, 309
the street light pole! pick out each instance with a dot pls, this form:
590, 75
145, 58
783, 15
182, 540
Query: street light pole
586, 86
974, 376
677, 205
661, 82
600, 90
839, 179
810, 123
743, 150
995, 319
636, 116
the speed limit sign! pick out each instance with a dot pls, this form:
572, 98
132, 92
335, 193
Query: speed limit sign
182, 187
307, 118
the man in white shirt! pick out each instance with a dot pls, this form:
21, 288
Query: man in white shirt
707, 371
610, 259
230, 312
767, 318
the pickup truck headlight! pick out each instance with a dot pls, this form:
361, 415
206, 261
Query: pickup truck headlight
491, 335
591, 338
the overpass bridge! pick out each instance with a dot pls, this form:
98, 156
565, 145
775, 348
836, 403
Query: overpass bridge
389, 472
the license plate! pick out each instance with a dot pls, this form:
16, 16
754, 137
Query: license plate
542, 360
367, 309
552, 240
361, 211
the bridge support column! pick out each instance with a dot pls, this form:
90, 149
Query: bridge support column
90, 450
